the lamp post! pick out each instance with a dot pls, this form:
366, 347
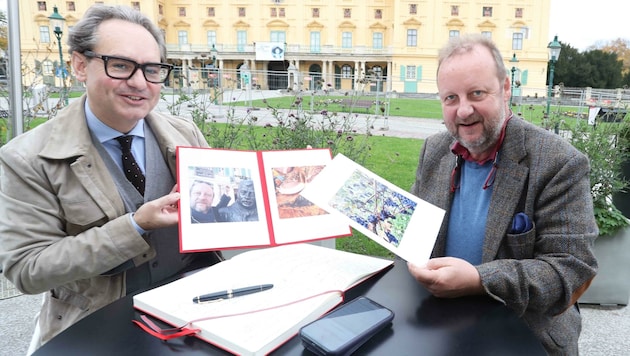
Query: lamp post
213, 55
554, 53
57, 22
514, 60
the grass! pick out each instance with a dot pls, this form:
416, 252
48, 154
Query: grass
421, 108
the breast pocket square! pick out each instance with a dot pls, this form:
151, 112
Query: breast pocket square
521, 224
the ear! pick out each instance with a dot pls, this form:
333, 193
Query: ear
79, 66
507, 89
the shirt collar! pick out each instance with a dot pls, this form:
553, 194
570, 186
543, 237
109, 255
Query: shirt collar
105, 133
462, 151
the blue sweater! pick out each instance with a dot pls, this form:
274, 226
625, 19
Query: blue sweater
469, 211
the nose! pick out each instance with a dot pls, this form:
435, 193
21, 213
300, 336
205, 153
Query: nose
137, 80
465, 108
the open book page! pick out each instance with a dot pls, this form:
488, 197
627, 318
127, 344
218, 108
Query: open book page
396, 219
224, 171
294, 217
235, 199
298, 272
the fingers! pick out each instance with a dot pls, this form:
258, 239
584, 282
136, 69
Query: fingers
158, 213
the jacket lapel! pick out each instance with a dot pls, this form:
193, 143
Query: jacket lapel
510, 183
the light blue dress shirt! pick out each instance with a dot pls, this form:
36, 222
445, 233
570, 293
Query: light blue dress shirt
107, 137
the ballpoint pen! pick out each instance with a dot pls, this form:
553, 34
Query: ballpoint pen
231, 293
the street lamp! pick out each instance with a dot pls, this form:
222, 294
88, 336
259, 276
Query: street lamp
57, 22
514, 60
554, 53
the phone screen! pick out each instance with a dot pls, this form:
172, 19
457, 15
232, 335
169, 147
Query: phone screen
347, 327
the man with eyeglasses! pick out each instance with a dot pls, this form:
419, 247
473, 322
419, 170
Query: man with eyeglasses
88, 202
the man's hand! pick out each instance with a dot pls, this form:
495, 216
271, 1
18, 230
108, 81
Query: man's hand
158, 213
448, 277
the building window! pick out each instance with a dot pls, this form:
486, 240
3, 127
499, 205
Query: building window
378, 14
182, 37
454, 10
411, 72
487, 11
346, 71
135, 5
211, 38
453, 33
161, 9
211, 12
282, 12
412, 38
47, 67
44, 34
315, 42
241, 40
274, 12
70, 6
346, 39
241, 12
518, 13
41, 5
278, 36
182, 12
486, 34
347, 13
413, 9
517, 41
315, 11
377, 40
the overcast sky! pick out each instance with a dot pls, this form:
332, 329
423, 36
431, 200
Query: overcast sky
579, 24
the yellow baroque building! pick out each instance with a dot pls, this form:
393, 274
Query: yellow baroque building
378, 45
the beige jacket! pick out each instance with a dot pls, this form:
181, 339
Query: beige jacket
62, 220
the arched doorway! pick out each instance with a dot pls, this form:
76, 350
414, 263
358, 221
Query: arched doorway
277, 75
315, 72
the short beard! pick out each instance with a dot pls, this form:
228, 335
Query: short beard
488, 139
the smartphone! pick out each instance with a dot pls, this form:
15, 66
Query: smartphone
343, 330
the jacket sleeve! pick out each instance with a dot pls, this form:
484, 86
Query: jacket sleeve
53, 232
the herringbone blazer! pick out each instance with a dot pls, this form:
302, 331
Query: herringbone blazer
535, 273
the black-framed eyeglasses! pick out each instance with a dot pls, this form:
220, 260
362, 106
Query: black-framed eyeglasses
123, 68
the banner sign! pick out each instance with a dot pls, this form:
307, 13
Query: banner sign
269, 51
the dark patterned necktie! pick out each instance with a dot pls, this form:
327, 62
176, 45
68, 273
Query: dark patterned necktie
130, 166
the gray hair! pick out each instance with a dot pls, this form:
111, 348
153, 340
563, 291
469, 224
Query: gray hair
82, 36
465, 43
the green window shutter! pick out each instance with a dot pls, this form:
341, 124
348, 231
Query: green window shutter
524, 77
403, 73
419, 73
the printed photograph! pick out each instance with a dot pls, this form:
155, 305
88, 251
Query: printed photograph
288, 183
221, 194
375, 206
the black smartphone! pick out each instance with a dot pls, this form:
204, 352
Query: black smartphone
343, 330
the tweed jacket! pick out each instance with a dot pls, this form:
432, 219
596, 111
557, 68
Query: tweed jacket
62, 220
535, 273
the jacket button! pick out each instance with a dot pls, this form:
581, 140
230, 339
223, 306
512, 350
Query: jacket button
154, 264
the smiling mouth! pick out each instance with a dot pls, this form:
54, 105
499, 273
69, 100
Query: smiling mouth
134, 98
